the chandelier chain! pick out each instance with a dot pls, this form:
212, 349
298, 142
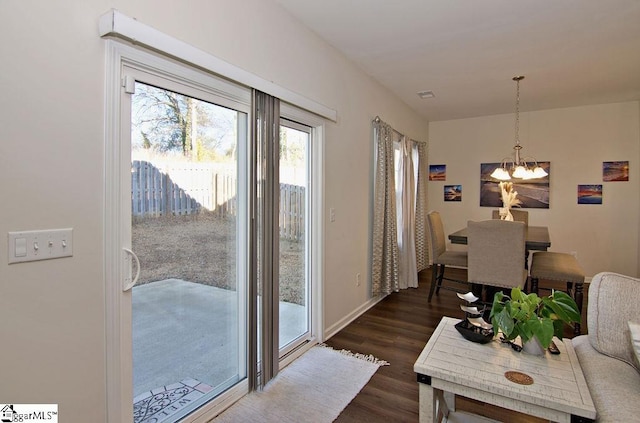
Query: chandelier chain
519, 168
517, 111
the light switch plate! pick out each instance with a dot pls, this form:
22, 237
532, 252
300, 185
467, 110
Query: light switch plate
40, 245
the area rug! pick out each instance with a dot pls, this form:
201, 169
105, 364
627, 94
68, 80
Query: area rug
314, 388
160, 404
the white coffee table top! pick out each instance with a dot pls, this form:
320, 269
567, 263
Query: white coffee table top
477, 371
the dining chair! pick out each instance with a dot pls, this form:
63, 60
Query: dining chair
496, 254
441, 257
563, 267
518, 215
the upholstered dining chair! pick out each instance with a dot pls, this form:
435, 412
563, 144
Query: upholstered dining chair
441, 257
518, 215
496, 254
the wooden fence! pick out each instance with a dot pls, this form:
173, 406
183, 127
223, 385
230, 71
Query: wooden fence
154, 193
292, 212
184, 190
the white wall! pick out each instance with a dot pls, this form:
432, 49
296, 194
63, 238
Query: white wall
576, 141
52, 313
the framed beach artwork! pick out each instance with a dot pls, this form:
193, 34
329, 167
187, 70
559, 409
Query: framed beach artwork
589, 194
438, 172
615, 171
533, 193
453, 193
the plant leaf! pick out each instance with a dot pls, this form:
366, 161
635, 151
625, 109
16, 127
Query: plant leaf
562, 306
504, 322
545, 332
527, 329
558, 328
497, 305
516, 294
567, 304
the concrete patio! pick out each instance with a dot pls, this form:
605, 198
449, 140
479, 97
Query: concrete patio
189, 330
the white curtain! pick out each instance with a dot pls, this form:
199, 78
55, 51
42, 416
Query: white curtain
406, 178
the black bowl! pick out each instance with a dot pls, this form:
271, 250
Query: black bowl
474, 333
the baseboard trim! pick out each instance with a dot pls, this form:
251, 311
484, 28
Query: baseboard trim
342, 323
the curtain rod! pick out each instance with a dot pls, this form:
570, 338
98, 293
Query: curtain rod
378, 120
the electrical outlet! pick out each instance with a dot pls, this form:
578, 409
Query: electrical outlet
358, 279
575, 254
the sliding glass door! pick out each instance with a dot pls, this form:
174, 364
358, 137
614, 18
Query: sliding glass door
294, 214
188, 308
187, 212
182, 268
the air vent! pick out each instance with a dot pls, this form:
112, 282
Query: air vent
426, 94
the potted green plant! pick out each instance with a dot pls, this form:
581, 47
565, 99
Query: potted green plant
532, 317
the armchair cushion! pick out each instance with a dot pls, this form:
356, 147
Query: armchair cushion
611, 307
613, 385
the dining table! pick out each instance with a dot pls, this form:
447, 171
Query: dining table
536, 238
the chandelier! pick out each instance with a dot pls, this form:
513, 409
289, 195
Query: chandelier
518, 167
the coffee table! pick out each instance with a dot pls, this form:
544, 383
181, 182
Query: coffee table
450, 365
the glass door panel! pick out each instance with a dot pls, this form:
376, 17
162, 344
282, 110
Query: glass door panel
189, 307
293, 221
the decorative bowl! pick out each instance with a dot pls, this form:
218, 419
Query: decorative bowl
474, 333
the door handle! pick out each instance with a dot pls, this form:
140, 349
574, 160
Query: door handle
135, 280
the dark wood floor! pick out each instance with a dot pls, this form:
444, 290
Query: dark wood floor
396, 330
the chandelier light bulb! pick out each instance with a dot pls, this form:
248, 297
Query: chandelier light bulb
501, 174
520, 172
539, 172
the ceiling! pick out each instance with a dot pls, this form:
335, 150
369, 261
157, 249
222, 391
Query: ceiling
572, 52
